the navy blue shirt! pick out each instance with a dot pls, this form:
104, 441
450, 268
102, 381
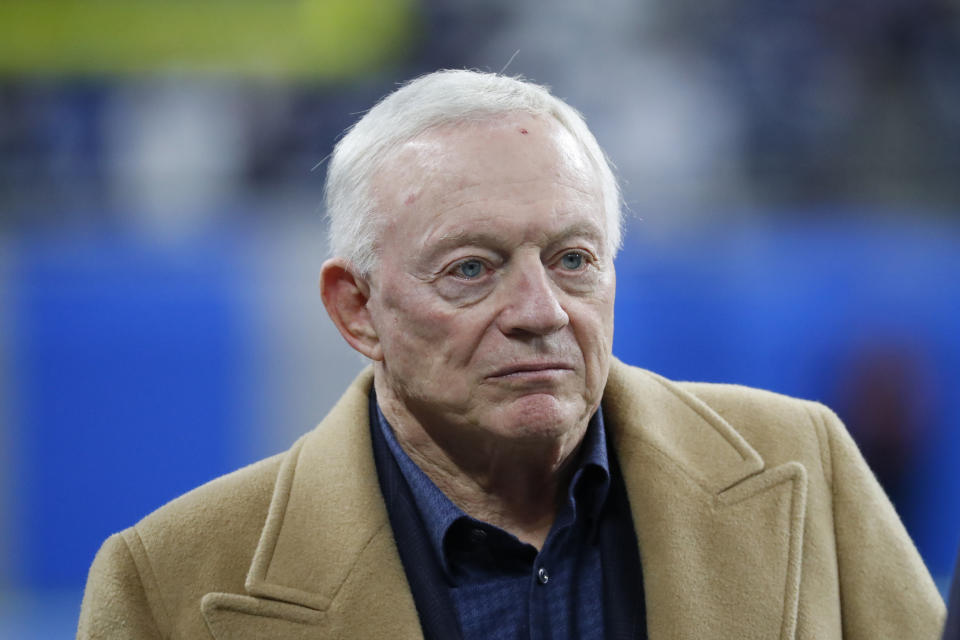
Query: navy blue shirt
501, 587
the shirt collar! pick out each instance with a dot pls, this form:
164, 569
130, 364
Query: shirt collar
439, 513
593, 462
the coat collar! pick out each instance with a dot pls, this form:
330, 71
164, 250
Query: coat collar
648, 411
720, 535
702, 503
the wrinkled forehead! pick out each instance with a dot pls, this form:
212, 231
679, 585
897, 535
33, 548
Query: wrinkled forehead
508, 149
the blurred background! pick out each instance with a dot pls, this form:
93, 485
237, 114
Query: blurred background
792, 173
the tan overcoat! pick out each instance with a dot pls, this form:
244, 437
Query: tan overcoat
755, 514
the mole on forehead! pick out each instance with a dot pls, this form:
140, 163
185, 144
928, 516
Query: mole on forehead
522, 123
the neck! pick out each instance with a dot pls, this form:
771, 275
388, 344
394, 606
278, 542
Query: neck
512, 485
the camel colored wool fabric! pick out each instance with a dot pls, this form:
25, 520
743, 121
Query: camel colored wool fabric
756, 517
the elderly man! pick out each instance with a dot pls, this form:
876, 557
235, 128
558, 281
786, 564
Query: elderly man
496, 473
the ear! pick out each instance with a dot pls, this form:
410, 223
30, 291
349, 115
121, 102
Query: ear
346, 296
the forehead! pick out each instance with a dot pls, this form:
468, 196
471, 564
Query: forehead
472, 173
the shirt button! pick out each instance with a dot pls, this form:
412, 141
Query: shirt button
543, 576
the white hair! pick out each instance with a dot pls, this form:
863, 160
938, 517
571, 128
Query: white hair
435, 99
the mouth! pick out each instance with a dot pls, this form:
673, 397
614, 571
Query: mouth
532, 370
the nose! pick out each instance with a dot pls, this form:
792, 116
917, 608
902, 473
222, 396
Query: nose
531, 305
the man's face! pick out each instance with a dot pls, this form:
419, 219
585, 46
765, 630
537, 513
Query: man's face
493, 296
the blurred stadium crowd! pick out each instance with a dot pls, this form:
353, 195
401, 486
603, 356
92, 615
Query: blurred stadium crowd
738, 104
791, 171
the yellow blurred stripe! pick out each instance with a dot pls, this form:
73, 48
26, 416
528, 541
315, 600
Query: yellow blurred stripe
324, 39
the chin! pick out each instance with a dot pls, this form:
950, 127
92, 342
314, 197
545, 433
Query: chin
542, 416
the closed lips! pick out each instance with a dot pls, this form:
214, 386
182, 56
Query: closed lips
530, 368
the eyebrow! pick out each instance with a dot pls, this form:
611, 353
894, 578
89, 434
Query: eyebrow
469, 237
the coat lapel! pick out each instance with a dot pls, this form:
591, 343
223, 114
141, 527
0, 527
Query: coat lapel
720, 536
326, 564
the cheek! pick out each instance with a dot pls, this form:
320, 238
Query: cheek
594, 333
604, 310
416, 326
410, 316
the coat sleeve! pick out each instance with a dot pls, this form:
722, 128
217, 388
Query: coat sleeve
115, 601
885, 588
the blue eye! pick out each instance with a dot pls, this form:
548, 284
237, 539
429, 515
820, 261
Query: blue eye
469, 269
572, 260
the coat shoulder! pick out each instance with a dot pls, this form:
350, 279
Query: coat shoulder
148, 580
235, 497
777, 428
204, 540
780, 427
736, 402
